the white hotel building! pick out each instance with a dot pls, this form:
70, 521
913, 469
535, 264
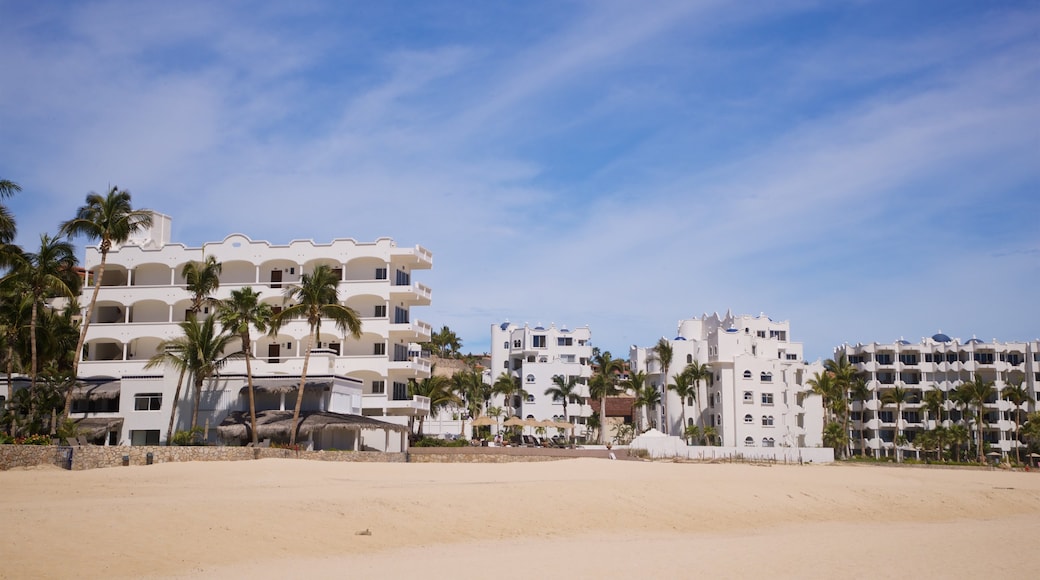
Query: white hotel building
939, 363
757, 396
533, 356
143, 298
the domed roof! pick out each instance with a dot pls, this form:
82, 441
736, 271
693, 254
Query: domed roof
902, 341
974, 341
940, 337
679, 338
504, 325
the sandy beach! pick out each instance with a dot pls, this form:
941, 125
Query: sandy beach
582, 518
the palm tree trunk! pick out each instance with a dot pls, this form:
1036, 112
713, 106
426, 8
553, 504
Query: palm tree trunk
978, 426
299, 395
252, 397
78, 354
603, 420
32, 346
173, 409
895, 441
197, 381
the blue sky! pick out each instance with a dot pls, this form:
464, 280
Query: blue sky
866, 170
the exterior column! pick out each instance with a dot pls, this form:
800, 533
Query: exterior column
169, 316
256, 274
173, 276
129, 277
124, 351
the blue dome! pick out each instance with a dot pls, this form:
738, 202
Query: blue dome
678, 338
731, 330
974, 341
539, 328
941, 338
901, 341
504, 325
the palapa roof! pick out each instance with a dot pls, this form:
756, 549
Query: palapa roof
284, 385
94, 427
96, 391
278, 424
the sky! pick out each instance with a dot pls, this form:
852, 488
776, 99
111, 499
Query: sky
868, 171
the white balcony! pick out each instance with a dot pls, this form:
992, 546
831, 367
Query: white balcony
384, 404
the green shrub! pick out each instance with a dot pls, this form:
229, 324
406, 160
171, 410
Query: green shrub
33, 440
188, 438
433, 442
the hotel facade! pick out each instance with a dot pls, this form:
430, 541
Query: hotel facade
940, 363
143, 298
757, 395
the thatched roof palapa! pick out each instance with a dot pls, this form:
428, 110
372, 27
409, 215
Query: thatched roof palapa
284, 386
95, 427
279, 423
96, 391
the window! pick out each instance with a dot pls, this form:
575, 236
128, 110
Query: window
749, 397
778, 334
379, 348
516, 344
884, 358
530, 398
538, 340
689, 359
400, 391
144, 437
908, 358
749, 442
530, 378
749, 419
402, 278
767, 398
568, 358
760, 333
380, 273
148, 402
400, 315
505, 364
380, 311
378, 387
689, 401
564, 341
792, 357
768, 442
747, 374
767, 420
766, 377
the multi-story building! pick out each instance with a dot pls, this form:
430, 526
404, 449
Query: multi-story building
533, 356
942, 364
143, 299
756, 396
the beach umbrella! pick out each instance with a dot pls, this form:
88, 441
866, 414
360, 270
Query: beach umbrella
563, 425
514, 422
484, 421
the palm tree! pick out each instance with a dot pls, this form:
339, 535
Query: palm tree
958, 436
647, 398
438, 389
201, 280
933, 402
239, 314
446, 342
199, 353
636, 383
1031, 429
42, 275
711, 435
699, 373
111, 220
473, 391
662, 352
683, 387
315, 298
8, 229
976, 392
844, 378
603, 385
509, 386
15, 313
823, 384
1017, 396
564, 389
897, 396
859, 391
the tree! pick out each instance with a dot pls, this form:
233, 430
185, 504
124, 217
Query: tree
1017, 396
1031, 429
976, 392
564, 389
446, 342
897, 396
683, 387
823, 384
509, 386
636, 383
15, 313
315, 298
603, 385
201, 279
860, 392
473, 391
662, 352
648, 397
958, 436
45, 274
834, 435
844, 377
438, 390
110, 219
199, 352
8, 228
711, 435
933, 401
699, 373
238, 315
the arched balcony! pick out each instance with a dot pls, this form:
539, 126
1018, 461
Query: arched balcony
366, 268
152, 275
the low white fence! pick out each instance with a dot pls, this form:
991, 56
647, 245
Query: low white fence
665, 447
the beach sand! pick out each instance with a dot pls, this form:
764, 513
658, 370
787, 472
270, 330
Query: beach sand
582, 518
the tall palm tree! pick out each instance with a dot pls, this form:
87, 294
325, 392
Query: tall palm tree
683, 386
564, 389
200, 352
662, 352
958, 435
1031, 429
44, 274
603, 385
844, 377
239, 314
509, 386
15, 313
438, 389
823, 384
314, 299
976, 392
648, 397
933, 402
110, 219
898, 396
699, 373
8, 228
1017, 396
473, 391
859, 391
201, 280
